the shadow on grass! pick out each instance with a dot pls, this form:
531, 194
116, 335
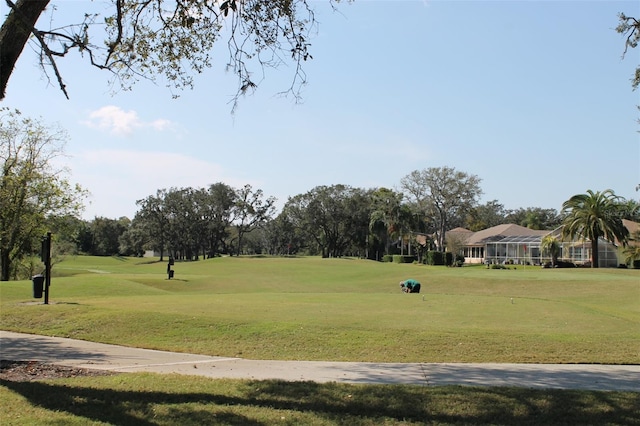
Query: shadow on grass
330, 402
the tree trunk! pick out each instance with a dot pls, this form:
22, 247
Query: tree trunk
595, 258
14, 35
5, 264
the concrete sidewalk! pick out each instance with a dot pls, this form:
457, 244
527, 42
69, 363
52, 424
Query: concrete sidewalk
79, 353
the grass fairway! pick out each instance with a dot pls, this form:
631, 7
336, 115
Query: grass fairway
338, 310
325, 309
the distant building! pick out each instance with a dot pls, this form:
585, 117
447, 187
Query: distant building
515, 244
507, 243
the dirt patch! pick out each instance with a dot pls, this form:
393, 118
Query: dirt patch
27, 371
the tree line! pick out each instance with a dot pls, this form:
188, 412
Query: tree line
331, 221
195, 223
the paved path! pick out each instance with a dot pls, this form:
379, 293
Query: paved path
79, 353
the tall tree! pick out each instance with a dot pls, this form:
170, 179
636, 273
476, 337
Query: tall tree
250, 210
106, 235
334, 219
385, 217
442, 193
630, 210
592, 216
534, 218
152, 218
629, 27
217, 209
32, 189
485, 216
169, 38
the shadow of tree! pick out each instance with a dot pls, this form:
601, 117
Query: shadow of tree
41, 348
332, 402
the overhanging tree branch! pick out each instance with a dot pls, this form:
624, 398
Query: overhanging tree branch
171, 39
14, 34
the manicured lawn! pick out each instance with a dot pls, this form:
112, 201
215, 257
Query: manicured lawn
338, 309
325, 309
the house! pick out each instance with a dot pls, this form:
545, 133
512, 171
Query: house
506, 243
510, 243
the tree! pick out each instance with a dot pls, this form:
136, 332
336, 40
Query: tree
629, 27
385, 216
630, 210
32, 190
534, 218
442, 193
153, 220
131, 242
250, 210
592, 216
106, 235
485, 216
168, 38
551, 246
333, 219
218, 203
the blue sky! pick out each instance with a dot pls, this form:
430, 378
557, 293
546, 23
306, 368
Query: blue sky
533, 97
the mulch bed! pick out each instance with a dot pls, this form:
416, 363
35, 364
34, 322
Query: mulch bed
27, 371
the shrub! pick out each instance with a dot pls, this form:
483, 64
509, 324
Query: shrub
398, 258
387, 258
498, 266
448, 258
434, 258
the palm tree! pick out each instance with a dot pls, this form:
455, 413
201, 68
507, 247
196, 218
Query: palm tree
594, 215
551, 245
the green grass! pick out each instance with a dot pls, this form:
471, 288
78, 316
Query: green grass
338, 310
325, 309
148, 399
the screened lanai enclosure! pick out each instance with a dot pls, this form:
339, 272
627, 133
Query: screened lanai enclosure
526, 251
517, 245
518, 250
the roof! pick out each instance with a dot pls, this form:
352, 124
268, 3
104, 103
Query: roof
500, 232
631, 225
510, 232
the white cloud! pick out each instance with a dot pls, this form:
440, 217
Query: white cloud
122, 123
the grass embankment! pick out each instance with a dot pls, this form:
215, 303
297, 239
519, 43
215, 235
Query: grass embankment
339, 309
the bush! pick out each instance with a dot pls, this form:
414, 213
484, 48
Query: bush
387, 258
448, 258
498, 266
398, 258
434, 258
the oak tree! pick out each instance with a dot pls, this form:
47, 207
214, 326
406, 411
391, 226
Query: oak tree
174, 39
442, 193
33, 190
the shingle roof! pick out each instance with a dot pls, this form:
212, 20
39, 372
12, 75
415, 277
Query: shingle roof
631, 225
498, 232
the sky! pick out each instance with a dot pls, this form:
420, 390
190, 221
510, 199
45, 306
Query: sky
533, 97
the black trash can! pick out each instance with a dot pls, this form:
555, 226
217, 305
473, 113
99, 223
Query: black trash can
38, 286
